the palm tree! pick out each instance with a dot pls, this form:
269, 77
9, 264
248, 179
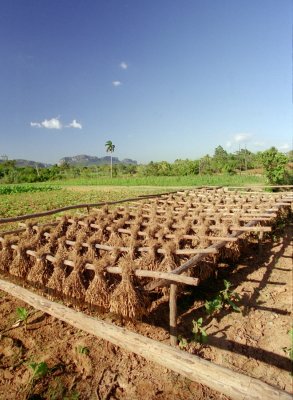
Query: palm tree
110, 147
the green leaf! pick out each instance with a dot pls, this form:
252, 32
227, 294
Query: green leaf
233, 305
39, 369
22, 313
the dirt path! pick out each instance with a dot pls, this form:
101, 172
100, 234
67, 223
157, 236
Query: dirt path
254, 342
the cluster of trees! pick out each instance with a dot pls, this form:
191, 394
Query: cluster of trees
273, 163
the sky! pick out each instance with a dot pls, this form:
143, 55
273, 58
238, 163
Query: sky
161, 79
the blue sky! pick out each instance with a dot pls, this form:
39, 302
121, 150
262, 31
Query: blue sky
162, 79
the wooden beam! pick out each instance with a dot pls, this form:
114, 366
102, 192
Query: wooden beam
233, 384
187, 280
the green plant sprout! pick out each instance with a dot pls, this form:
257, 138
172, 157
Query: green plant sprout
213, 305
199, 333
225, 296
289, 350
22, 314
182, 342
83, 350
39, 370
229, 297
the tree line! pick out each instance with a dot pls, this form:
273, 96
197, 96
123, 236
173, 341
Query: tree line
274, 164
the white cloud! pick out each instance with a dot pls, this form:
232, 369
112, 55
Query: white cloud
229, 144
123, 65
36, 124
52, 123
116, 83
74, 124
55, 123
242, 137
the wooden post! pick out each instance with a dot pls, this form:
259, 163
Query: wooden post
173, 314
260, 247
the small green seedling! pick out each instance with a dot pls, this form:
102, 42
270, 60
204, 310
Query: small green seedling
39, 370
22, 314
229, 297
289, 350
199, 333
182, 342
83, 350
213, 305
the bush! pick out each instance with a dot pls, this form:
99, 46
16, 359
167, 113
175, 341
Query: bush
274, 164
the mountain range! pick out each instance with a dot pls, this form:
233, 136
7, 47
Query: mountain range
85, 160
78, 160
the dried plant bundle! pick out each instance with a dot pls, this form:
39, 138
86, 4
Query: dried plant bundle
127, 300
97, 293
73, 284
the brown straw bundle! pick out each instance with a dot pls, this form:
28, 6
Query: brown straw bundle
73, 285
21, 262
57, 232
29, 231
77, 249
71, 230
127, 300
40, 272
115, 240
6, 253
149, 260
56, 280
169, 261
204, 231
97, 293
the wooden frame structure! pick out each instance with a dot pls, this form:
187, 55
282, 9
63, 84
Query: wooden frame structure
239, 214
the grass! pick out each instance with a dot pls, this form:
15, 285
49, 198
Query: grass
26, 187
31, 198
27, 203
165, 181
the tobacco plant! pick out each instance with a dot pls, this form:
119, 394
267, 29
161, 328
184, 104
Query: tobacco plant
39, 370
22, 314
224, 297
229, 297
199, 333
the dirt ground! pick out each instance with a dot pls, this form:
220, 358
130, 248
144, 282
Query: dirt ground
255, 342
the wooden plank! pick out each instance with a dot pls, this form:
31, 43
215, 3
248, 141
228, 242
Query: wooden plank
233, 384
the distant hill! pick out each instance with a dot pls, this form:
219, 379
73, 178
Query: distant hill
85, 160
27, 163
79, 160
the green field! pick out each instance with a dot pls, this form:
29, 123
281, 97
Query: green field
31, 198
178, 181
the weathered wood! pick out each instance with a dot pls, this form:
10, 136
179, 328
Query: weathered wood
187, 280
173, 314
196, 259
233, 384
167, 236
143, 249
250, 228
